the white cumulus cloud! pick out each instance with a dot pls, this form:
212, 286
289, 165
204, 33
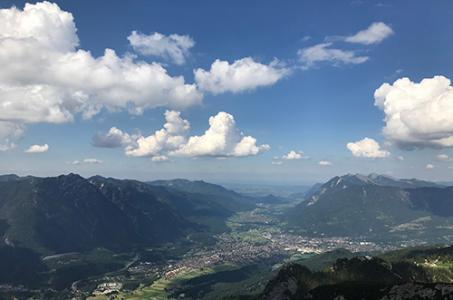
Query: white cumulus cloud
241, 75
367, 147
37, 149
323, 52
171, 137
293, 155
46, 77
417, 114
324, 163
374, 34
174, 47
221, 139
175, 124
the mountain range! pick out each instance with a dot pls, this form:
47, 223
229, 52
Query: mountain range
375, 206
41, 217
72, 213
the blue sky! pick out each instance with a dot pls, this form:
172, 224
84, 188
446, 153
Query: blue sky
312, 107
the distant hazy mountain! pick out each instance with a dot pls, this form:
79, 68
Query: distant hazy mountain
227, 198
196, 186
377, 206
263, 189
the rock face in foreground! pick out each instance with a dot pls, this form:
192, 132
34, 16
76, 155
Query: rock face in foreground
420, 291
288, 284
292, 287
406, 277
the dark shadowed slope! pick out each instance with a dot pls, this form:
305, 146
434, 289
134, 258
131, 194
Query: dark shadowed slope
71, 213
405, 274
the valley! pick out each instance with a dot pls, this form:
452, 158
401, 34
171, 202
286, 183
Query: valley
221, 244
257, 241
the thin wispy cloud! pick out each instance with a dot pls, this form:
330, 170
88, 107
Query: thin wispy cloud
324, 163
87, 161
332, 52
374, 34
311, 56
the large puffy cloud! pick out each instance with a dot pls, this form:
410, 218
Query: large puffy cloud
169, 138
221, 139
61, 85
45, 78
374, 34
367, 147
241, 75
310, 56
37, 149
43, 22
174, 47
417, 114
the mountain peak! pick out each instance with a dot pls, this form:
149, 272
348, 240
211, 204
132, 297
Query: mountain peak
348, 180
353, 180
71, 177
358, 179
